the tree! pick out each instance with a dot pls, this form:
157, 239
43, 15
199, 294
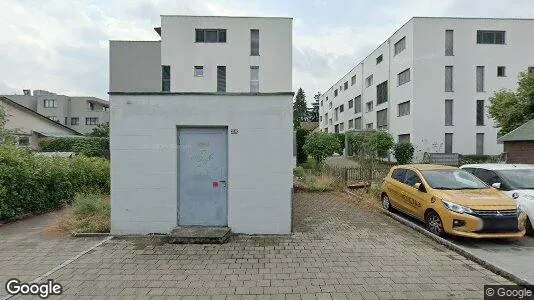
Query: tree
371, 143
320, 145
511, 109
341, 140
313, 112
102, 130
6, 136
302, 157
403, 152
299, 109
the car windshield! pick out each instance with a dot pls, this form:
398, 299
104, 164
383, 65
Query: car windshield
522, 179
452, 179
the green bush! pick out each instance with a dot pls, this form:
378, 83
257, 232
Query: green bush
320, 145
371, 143
301, 134
341, 139
465, 159
85, 145
36, 184
403, 152
299, 172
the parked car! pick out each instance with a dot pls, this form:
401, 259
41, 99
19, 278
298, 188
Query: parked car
452, 201
514, 180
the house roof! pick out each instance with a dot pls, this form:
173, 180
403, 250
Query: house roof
38, 115
309, 125
524, 132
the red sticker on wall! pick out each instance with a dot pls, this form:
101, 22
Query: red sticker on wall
215, 184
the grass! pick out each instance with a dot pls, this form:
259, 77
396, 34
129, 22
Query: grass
89, 213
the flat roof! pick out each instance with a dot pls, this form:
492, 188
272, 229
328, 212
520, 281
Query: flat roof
242, 17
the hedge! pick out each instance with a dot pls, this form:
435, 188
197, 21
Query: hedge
36, 184
88, 146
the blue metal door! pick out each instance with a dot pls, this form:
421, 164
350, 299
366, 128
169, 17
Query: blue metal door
202, 169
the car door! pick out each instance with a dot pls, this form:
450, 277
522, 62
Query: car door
395, 187
414, 199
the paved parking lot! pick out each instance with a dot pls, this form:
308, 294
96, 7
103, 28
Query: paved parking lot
338, 251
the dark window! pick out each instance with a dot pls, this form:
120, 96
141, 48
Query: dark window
351, 103
530, 69
210, 35
335, 93
23, 141
321, 102
449, 42
448, 79
398, 174
351, 123
74, 121
382, 119
358, 123
254, 42
404, 138
480, 144
480, 113
404, 109
369, 81
400, 46
221, 79
91, 121
501, 71
448, 142
166, 78
353, 80
346, 85
490, 37
411, 178
379, 59
336, 128
382, 93
480, 78
341, 108
199, 71
66, 120
448, 112
358, 104
403, 77
488, 176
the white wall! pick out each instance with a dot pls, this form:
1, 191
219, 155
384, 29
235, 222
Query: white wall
144, 182
179, 50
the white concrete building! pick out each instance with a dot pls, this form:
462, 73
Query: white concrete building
201, 126
430, 83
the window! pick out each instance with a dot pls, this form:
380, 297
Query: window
403, 109
404, 138
326, 130
403, 77
346, 85
351, 104
369, 126
326, 98
335, 93
480, 144
221, 79
342, 126
90, 106
490, 37
326, 119
530, 69
351, 124
91, 121
53, 118
369, 106
353, 80
448, 79
199, 71
330, 105
320, 119
341, 108
448, 112
480, 78
336, 114
23, 141
398, 174
382, 119
210, 35
165, 78
501, 71
400, 46
358, 123
336, 128
449, 42
74, 121
50, 103
321, 102
340, 88
411, 178
382, 93
254, 42
448, 142
66, 120
379, 59
254, 79
358, 104
369, 81
330, 121
480, 113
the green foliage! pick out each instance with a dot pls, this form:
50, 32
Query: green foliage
479, 159
512, 109
6, 136
299, 109
36, 184
299, 172
101, 130
371, 143
320, 145
90, 203
301, 134
403, 152
341, 140
88, 146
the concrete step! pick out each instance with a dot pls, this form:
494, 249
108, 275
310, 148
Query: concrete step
199, 235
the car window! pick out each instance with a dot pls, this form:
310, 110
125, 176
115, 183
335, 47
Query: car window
487, 176
411, 178
398, 174
517, 179
452, 179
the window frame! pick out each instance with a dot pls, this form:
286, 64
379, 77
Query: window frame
379, 59
503, 68
72, 119
405, 78
197, 68
165, 82
495, 41
87, 120
254, 51
220, 33
255, 83
399, 108
480, 114
382, 93
397, 46
49, 103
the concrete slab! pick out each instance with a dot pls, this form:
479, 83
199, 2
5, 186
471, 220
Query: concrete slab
199, 235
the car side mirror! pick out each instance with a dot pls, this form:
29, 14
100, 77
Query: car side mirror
418, 186
496, 185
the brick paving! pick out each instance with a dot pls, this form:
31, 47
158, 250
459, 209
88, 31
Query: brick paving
338, 251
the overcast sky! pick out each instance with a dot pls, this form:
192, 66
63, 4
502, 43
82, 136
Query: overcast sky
62, 45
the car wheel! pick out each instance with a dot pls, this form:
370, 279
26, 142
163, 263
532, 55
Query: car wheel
386, 204
434, 223
530, 230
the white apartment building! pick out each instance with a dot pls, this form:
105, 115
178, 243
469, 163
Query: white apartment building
201, 126
430, 83
79, 113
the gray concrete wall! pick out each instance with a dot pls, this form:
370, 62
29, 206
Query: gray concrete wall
135, 66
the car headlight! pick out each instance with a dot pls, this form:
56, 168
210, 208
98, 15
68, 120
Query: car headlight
456, 207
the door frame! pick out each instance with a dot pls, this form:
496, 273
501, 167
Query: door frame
177, 136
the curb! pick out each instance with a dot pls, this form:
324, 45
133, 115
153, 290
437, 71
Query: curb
90, 234
484, 263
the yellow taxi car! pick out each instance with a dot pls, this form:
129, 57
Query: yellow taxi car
452, 201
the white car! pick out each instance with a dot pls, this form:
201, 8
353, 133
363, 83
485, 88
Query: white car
515, 180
